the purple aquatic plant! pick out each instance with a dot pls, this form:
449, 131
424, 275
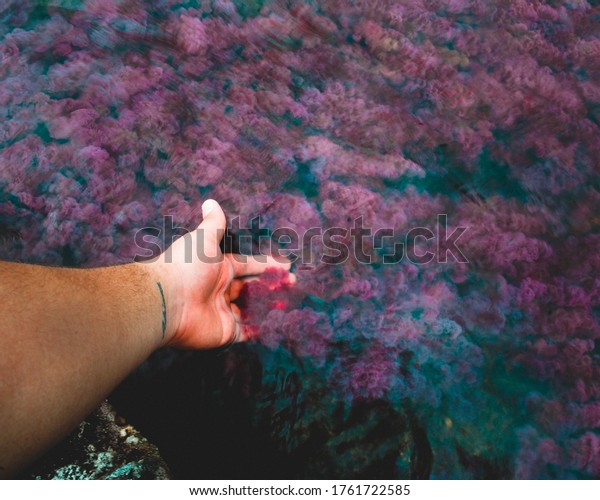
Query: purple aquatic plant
116, 113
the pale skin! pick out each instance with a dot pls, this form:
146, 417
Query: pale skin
69, 336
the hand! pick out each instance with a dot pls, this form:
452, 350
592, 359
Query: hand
199, 292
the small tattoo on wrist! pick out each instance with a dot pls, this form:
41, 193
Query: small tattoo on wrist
164, 309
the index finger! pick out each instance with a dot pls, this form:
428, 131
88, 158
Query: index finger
249, 265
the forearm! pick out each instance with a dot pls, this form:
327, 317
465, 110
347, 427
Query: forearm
67, 338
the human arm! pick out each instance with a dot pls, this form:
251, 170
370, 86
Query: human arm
69, 336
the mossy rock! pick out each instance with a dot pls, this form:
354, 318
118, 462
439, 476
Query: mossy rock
102, 447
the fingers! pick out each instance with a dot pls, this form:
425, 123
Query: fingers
249, 265
213, 226
235, 330
237, 314
242, 332
235, 289
237, 318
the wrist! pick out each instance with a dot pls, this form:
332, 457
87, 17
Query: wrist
165, 291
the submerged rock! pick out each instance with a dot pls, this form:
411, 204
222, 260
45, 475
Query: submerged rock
102, 447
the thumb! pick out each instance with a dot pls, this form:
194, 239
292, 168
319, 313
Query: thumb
213, 225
